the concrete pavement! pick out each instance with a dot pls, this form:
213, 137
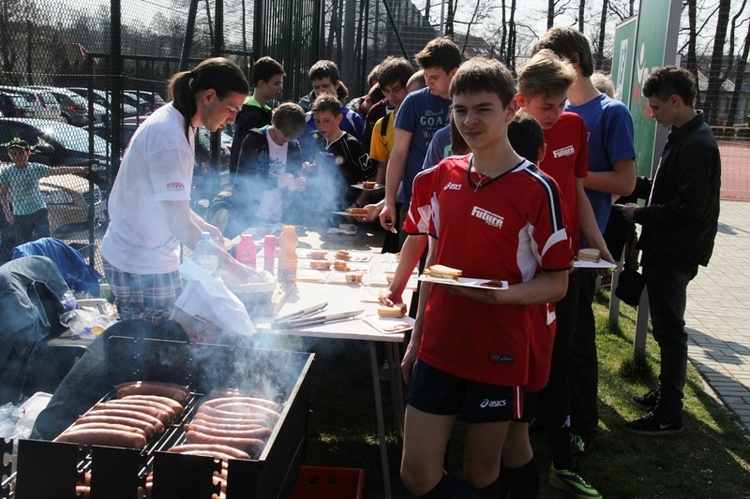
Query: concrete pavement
718, 312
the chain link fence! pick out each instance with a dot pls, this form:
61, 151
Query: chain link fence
57, 64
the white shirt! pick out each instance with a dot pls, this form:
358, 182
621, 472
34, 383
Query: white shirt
271, 203
157, 167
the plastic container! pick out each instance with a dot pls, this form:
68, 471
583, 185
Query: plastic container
288, 254
269, 253
246, 251
317, 482
206, 254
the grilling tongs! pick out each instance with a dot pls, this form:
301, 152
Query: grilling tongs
306, 317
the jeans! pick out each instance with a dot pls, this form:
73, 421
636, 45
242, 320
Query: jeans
667, 296
31, 227
584, 367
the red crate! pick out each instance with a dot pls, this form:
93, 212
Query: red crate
319, 482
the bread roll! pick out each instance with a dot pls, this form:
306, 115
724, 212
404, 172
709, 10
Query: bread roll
589, 255
398, 310
443, 272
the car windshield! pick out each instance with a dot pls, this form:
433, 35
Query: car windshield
74, 138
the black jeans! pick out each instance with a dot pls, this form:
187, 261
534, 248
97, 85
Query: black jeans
667, 296
32, 227
584, 367
554, 401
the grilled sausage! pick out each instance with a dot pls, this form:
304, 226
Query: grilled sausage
147, 427
242, 400
100, 436
126, 413
220, 422
170, 390
248, 432
252, 446
246, 413
173, 404
225, 449
163, 413
104, 426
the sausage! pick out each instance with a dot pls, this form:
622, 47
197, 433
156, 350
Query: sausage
224, 414
158, 412
232, 451
247, 408
126, 413
252, 446
173, 404
249, 432
212, 454
101, 436
244, 400
170, 390
219, 421
113, 426
147, 427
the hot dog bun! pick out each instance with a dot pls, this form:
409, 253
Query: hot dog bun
357, 211
443, 272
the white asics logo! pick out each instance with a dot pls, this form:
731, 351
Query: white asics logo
492, 403
450, 186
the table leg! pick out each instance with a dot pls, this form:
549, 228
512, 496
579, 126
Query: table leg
397, 386
381, 422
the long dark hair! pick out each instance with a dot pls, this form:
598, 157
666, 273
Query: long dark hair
217, 73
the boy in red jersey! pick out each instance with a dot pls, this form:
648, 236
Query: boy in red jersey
543, 90
493, 215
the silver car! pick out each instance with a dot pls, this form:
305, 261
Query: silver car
43, 104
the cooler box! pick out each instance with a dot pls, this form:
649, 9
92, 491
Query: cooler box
318, 482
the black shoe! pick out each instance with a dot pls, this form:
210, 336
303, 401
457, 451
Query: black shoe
653, 425
647, 401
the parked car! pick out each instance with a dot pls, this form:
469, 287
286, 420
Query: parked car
141, 104
43, 105
60, 144
154, 100
104, 99
14, 105
74, 109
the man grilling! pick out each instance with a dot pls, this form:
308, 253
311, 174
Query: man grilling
205, 312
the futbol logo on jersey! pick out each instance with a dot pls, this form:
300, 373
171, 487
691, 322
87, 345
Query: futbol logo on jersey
175, 186
565, 151
488, 217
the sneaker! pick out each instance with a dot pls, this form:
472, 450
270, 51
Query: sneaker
647, 401
577, 445
652, 424
384, 373
572, 481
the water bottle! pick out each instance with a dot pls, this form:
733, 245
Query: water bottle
206, 254
288, 254
246, 251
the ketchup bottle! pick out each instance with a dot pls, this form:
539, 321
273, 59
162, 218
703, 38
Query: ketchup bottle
246, 251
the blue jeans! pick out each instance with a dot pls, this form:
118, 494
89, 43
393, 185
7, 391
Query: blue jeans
667, 296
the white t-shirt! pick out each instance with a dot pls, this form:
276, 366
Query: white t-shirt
271, 203
157, 167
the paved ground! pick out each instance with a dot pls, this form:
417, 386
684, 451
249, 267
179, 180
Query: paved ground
718, 312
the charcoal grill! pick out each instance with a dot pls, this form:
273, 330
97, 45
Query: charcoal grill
52, 469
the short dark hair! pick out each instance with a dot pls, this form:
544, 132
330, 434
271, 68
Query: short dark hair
324, 69
266, 68
289, 118
670, 80
217, 73
374, 75
342, 92
441, 53
481, 74
395, 70
326, 102
569, 43
526, 136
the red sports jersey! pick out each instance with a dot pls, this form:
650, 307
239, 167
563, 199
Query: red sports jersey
566, 160
508, 228
541, 343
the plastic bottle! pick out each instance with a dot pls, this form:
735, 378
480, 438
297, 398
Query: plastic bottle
246, 251
206, 254
288, 254
269, 253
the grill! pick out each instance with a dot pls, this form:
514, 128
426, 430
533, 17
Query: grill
53, 469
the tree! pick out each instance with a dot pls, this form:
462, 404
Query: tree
740, 74
602, 31
717, 58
